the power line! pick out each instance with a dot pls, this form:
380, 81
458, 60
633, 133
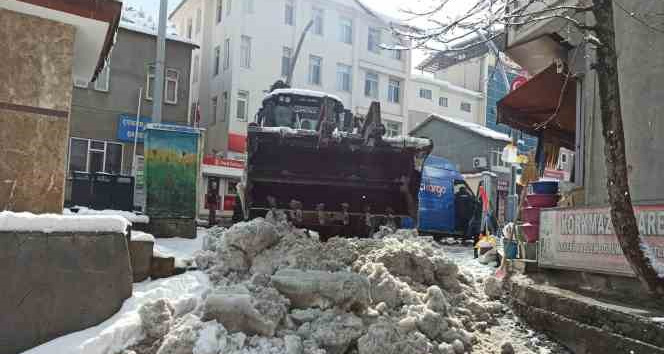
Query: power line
632, 14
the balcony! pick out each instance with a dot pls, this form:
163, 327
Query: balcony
535, 45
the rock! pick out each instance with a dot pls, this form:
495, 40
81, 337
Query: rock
493, 288
444, 348
407, 324
306, 315
432, 324
182, 338
346, 290
435, 300
162, 267
458, 347
293, 344
240, 311
334, 332
156, 318
380, 338
506, 348
251, 237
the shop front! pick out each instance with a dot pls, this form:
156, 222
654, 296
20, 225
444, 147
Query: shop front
219, 179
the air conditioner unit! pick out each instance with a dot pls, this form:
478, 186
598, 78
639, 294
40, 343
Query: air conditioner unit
479, 162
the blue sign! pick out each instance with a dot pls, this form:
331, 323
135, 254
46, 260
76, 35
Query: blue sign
127, 127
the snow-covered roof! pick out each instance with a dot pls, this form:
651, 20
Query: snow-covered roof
138, 21
445, 84
472, 127
48, 223
301, 92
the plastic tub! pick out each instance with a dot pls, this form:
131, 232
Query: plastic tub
531, 215
542, 200
531, 232
545, 187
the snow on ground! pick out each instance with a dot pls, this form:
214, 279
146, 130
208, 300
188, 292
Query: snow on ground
181, 248
47, 223
124, 328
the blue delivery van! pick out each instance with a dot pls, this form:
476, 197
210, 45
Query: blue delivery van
446, 202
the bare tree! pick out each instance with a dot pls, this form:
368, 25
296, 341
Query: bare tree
595, 20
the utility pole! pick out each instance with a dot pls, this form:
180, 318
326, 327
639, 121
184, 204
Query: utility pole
158, 97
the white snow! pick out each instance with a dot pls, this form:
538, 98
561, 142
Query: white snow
124, 328
301, 92
474, 127
182, 248
288, 131
136, 20
47, 223
408, 141
141, 236
450, 86
133, 217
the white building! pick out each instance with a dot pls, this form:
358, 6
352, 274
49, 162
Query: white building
434, 96
245, 46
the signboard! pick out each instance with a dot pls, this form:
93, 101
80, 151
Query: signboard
583, 239
218, 161
171, 171
502, 185
127, 127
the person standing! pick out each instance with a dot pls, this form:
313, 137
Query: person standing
212, 202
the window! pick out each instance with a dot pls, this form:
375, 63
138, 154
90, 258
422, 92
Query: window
227, 53
231, 187
395, 54
286, 61
392, 128
245, 52
497, 163
343, 77
196, 65
220, 10
198, 21
95, 156
217, 58
394, 91
189, 28
228, 7
426, 94
242, 105
172, 78
248, 6
465, 106
214, 109
315, 64
374, 40
150, 83
371, 85
442, 101
346, 30
317, 16
225, 102
289, 13
104, 77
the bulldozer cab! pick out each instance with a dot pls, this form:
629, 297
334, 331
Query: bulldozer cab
301, 109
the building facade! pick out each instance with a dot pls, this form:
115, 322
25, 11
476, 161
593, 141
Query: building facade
245, 46
429, 95
104, 113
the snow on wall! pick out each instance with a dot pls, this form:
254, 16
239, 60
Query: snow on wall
48, 223
133, 217
474, 127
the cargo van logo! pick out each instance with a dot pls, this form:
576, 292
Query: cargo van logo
430, 188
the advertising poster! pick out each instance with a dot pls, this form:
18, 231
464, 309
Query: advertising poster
583, 239
171, 171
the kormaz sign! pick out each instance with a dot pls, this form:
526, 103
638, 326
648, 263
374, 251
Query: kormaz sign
127, 128
584, 239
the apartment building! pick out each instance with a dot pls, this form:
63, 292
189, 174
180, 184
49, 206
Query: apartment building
245, 46
429, 95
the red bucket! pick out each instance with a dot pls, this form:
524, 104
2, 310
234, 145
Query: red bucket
531, 232
542, 200
531, 215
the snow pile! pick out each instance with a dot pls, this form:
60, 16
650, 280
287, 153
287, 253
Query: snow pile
48, 223
140, 236
132, 217
278, 289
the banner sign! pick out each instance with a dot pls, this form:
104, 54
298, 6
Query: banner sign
583, 239
218, 161
127, 127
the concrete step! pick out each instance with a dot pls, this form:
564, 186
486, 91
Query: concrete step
634, 327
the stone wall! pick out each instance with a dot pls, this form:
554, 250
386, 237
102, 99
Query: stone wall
58, 283
35, 98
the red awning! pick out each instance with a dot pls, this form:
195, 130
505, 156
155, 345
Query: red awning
237, 142
536, 101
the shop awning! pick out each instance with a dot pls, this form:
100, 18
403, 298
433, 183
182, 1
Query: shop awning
536, 101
